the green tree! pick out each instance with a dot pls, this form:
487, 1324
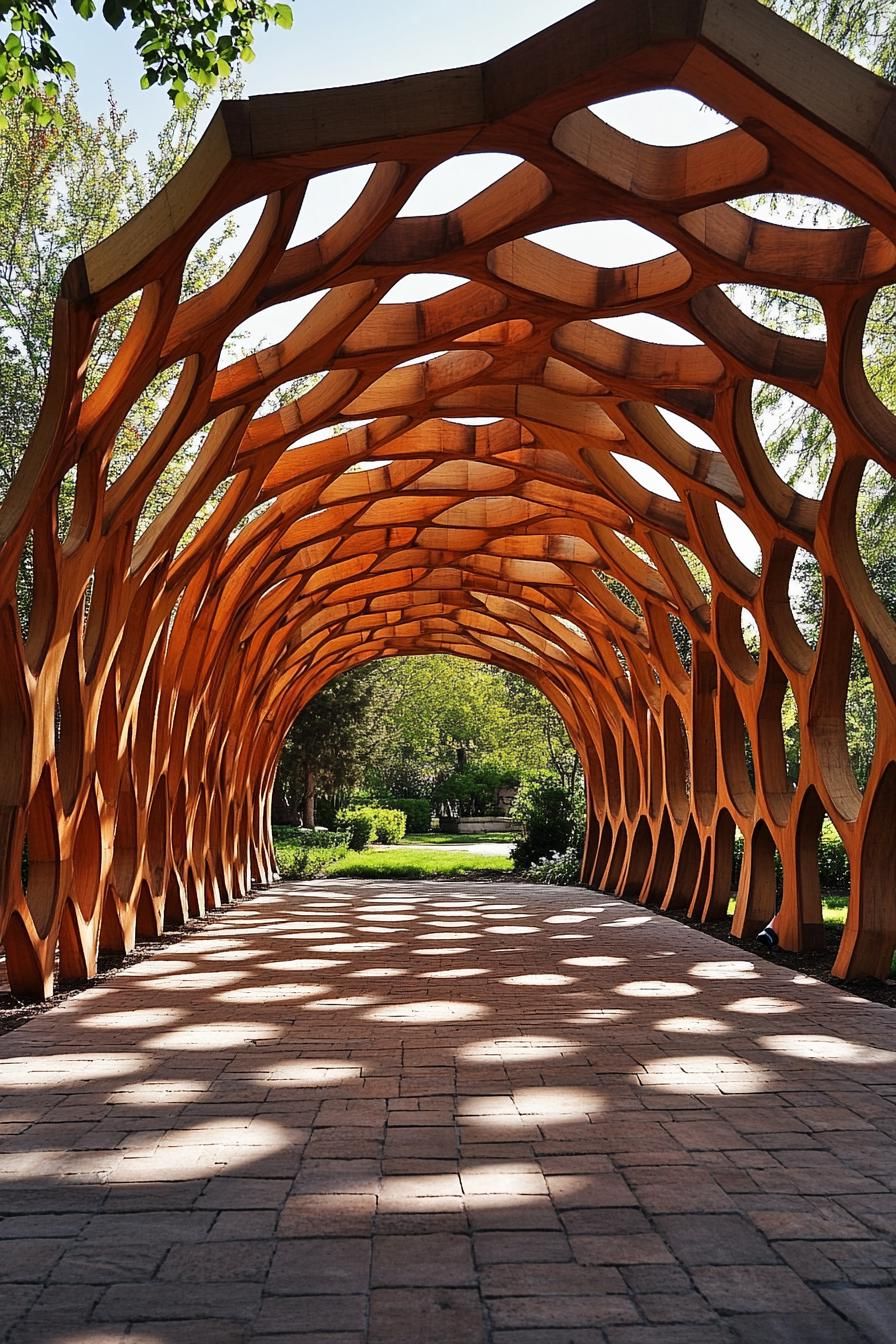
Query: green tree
328, 745
539, 731
447, 713
436, 706
863, 30
64, 187
180, 42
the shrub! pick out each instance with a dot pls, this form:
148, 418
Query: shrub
389, 824
304, 853
358, 821
549, 818
559, 870
385, 825
417, 812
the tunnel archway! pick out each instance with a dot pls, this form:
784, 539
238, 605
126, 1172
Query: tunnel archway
576, 533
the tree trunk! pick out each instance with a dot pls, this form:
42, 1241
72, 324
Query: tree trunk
308, 805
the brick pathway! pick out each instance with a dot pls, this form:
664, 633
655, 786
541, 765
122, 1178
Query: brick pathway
429, 1113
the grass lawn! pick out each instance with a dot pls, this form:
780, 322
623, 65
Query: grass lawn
833, 907
441, 838
400, 861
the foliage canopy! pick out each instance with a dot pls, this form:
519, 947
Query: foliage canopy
180, 42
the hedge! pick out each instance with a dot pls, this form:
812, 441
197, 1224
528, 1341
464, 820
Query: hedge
358, 821
417, 812
385, 825
306, 853
306, 838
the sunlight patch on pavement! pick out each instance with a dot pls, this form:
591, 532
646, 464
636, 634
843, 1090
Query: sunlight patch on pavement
428, 1010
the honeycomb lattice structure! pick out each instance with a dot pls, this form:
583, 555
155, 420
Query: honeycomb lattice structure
144, 706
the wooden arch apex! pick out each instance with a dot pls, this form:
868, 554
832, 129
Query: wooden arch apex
465, 474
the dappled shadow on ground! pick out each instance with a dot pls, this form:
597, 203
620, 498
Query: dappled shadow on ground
407, 1112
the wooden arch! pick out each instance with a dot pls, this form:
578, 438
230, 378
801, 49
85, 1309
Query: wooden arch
145, 698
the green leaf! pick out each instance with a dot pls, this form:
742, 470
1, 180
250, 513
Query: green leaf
113, 13
283, 16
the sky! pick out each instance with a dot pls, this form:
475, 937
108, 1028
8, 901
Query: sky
354, 41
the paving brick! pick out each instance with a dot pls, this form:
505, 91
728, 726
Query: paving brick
321, 1215
100, 1262
507, 1248
316, 1337
129, 1228
179, 1301
807, 1258
675, 1308
605, 1222
30, 1260
804, 1327
691, 1333
670, 1191
714, 1239
189, 1207
426, 1316
234, 1192
512, 1213
422, 1221
746, 1288
320, 1314
321, 1265
30, 1226
587, 1335
243, 1225
213, 1330
545, 1280
560, 1311
656, 1278
429, 1261
642, 1248
590, 1192
816, 1223
503, 1178
218, 1261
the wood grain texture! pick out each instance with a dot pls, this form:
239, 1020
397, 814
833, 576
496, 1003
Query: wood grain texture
144, 706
